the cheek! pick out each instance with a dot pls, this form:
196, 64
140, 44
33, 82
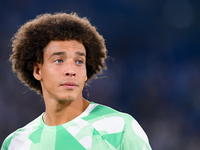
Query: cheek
86, 76
48, 74
83, 75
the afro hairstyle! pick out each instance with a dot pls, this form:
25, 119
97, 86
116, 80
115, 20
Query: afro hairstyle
30, 40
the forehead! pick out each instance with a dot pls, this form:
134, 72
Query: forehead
64, 46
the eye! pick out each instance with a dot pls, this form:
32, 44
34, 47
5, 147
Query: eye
58, 61
79, 62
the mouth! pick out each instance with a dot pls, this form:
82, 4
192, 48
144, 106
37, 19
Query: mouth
69, 85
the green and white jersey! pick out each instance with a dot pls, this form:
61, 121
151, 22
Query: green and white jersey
97, 128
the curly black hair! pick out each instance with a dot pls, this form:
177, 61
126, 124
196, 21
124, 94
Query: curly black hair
32, 37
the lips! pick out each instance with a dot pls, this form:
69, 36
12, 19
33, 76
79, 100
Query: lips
69, 85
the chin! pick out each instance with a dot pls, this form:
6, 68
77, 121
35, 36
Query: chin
66, 99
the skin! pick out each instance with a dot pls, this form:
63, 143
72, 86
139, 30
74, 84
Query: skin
62, 76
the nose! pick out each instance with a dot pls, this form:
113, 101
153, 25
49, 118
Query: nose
70, 74
70, 70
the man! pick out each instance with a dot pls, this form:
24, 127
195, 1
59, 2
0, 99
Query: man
56, 55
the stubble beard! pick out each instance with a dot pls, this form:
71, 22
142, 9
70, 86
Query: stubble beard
67, 99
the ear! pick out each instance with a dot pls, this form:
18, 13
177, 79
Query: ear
37, 71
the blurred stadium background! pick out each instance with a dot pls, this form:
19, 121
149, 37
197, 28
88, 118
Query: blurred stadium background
153, 71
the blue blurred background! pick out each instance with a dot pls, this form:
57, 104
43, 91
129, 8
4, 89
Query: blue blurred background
153, 71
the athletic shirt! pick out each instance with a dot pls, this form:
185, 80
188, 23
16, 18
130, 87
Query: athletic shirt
97, 128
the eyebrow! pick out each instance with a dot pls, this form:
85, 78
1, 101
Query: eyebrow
63, 53
80, 54
57, 53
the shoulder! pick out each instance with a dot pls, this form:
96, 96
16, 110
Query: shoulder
124, 120
104, 116
21, 133
134, 128
99, 110
113, 124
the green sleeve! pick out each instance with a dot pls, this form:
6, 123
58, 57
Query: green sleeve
6, 143
134, 137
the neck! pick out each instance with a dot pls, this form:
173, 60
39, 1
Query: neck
59, 112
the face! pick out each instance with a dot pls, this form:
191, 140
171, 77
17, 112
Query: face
63, 72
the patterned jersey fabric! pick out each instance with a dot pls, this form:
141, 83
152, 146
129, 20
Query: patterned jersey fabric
97, 128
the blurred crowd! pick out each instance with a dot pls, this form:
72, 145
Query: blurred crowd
153, 66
